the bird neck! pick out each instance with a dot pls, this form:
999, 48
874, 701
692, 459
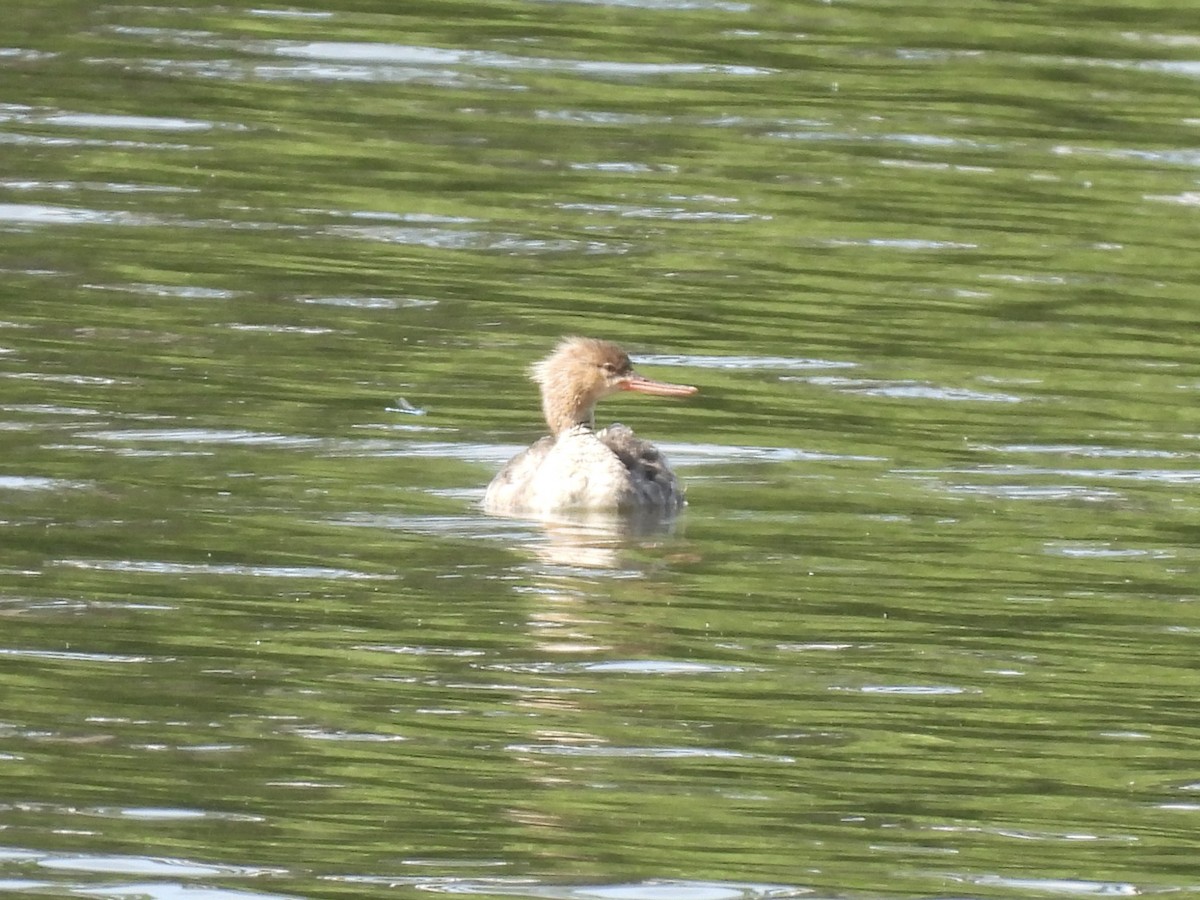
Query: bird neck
562, 414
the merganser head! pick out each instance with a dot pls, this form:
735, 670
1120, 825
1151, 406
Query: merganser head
580, 372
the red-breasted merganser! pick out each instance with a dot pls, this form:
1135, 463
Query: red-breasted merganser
576, 467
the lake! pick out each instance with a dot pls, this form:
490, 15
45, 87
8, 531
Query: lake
271, 278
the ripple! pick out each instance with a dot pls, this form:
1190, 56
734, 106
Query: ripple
408, 650
809, 647
413, 55
37, 483
920, 690
656, 667
152, 567
743, 362
684, 890
290, 14
171, 814
624, 168
907, 390
141, 123
27, 115
651, 889
1035, 491
600, 117
1163, 476
1106, 551
64, 379
320, 734
720, 5
1189, 158
10, 854
900, 244
626, 667
1164, 40
1076, 887
240, 70
281, 329
173, 876
75, 656
402, 54
821, 133
203, 436
1186, 198
387, 62
404, 407
368, 302
455, 526
1064, 836
182, 291
1087, 450
408, 217
43, 214
188, 37
468, 452
24, 54
608, 750
137, 865
44, 140
446, 239
694, 454
673, 213
14, 184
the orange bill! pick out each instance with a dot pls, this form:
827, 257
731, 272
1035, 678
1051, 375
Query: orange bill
635, 382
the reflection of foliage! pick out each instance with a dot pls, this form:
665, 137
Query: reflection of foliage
928, 627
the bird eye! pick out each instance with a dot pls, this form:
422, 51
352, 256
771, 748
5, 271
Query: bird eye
609, 368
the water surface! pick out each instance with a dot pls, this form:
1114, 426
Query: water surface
271, 277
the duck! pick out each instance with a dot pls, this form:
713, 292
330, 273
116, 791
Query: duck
575, 467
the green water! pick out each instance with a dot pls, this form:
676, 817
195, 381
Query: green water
270, 277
